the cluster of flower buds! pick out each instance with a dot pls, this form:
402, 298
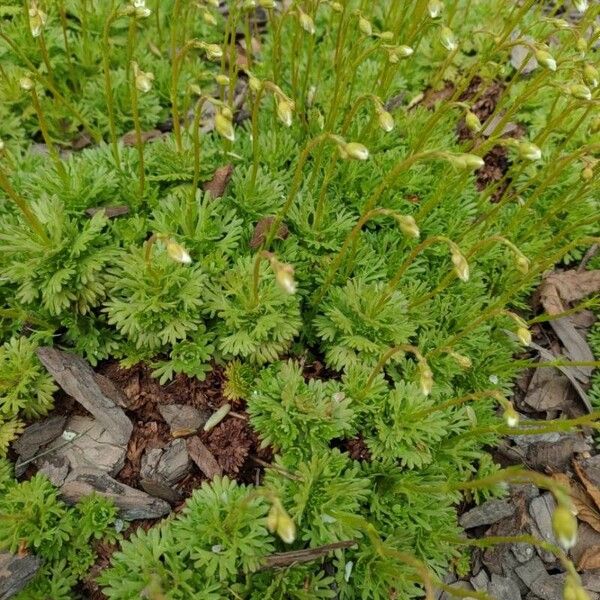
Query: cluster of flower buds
284, 273
280, 522
143, 80
435, 7
137, 9
465, 161
37, 20
397, 53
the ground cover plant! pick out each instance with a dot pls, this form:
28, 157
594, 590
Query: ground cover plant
371, 186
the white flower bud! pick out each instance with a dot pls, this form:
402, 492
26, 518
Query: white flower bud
581, 5
435, 7
425, 378
546, 59
143, 81
511, 416
285, 109
386, 121
590, 74
408, 226
524, 335
448, 39
213, 51
356, 151
177, 252
529, 151
472, 122
461, 266
307, 23
564, 525
222, 79
365, 26
580, 91
224, 126
37, 20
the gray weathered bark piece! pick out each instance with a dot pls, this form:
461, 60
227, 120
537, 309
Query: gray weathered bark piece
132, 503
182, 419
35, 437
169, 464
487, 513
78, 380
16, 572
203, 457
504, 588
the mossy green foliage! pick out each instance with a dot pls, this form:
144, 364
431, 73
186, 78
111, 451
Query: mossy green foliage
412, 358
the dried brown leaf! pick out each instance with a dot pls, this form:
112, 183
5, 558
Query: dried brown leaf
590, 486
590, 559
203, 457
130, 139
262, 228
561, 288
586, 510
219, 182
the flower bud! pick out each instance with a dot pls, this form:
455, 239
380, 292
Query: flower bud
213, 51
177, 252
273, 517
524, 335
595, 125
284, 275
461, 266
472, 122
387, 36
141, 10
386, 121
356, 151
222, 79
26, 83
564, 525
462, 360
466, 161
580, 91
447, 39
268, 4
285, 108
224, 126
213, 3
434, 7
590, 75
580, 5
529, 151
307, 23
546, 59
511, 416
522, 263
143, 81
336, 7
255, 83
581, 44
286, 528
408, 226
425, 378
37, 20
365, 26
587, 173
209, 18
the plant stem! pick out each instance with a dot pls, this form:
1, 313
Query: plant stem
139, 142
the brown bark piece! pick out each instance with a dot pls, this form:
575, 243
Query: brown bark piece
78, 380
588, 472
203, 457
182, 419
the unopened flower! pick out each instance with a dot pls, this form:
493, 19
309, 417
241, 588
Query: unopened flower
268, 4
177, 252
387, 36
224, 126
141, 10
581, 5
217, 417
408, 226
284, 275
461, 266
580, 91
278, 521
587, 173
143, 81
285, 109
466, 161
546, 59
581, 44
213, 51
37, 20
396, 53
462, 360
511, 416
472, 122
564, 525
26, 83
434, 7
209, 18
448, 39
524, 335
307, 23
336, 7
386, 121
529, 151
425, 378
365, 26
356, 151
222, 79
522, 263
590, 75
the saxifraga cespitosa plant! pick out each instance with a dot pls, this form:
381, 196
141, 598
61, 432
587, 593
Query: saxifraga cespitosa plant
375, 253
